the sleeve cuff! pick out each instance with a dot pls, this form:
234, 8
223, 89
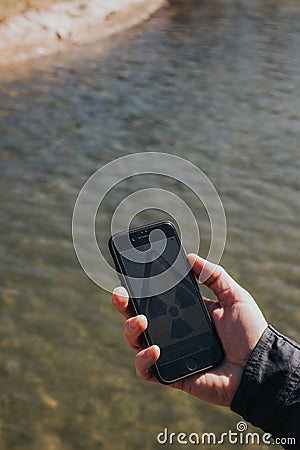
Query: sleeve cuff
268, 379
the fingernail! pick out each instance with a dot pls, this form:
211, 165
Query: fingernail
142, 320
121, 291
156, 347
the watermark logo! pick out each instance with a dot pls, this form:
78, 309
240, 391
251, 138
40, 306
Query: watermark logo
99, 185
238, 436
241, 426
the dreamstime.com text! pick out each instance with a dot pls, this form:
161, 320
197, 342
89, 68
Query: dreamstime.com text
234, 437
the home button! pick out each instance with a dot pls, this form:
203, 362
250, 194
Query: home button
191, 364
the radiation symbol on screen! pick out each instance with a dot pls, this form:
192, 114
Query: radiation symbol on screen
158, 307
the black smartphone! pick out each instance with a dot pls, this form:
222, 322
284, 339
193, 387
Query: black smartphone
152, 266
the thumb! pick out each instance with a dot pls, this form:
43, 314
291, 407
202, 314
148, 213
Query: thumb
216, 278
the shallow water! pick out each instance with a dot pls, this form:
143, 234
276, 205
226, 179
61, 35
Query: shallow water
214, 82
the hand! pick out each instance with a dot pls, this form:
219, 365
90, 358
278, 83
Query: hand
239, 324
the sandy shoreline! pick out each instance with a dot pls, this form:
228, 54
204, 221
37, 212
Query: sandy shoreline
40, 33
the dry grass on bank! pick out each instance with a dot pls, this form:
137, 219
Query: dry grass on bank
9, 8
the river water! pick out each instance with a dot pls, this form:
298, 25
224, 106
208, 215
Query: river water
216, 82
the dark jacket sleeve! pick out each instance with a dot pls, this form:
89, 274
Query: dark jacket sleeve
269, 392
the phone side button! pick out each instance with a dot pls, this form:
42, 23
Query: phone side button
191, 364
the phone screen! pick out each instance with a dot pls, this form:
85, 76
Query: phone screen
177, 319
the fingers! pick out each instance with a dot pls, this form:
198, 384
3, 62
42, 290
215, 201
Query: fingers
215, 278
120, 301
144, 361
133, 328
